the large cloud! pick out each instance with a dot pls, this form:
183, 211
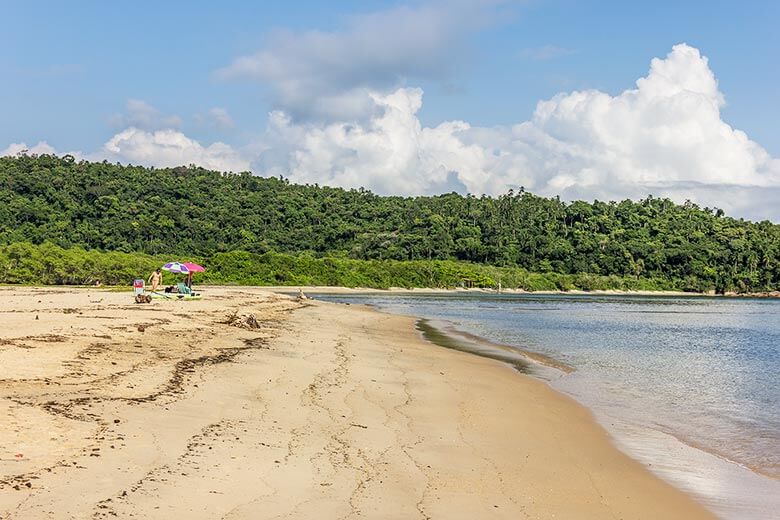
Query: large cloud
316, 74
667, 130
665, 137
392, 153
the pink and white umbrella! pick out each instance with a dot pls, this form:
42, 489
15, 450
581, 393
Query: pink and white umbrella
194, 268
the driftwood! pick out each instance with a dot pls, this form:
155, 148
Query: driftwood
246, 321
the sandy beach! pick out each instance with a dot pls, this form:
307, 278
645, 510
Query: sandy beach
113, 409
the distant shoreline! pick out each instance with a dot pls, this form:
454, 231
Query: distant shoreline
325, 289
333, 289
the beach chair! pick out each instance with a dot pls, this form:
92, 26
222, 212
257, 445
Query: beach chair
183, 289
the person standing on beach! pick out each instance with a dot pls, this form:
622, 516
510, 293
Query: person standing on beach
155, 279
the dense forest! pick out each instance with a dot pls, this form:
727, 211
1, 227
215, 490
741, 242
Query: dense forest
188, 211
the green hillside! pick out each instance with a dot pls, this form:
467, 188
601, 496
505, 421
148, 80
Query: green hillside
192, 212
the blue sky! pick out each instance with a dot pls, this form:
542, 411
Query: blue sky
70, 70
69, 67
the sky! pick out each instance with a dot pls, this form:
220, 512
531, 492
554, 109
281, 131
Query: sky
587, 100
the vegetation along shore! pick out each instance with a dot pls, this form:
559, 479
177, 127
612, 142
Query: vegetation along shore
73, 222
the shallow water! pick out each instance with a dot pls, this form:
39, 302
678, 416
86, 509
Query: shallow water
689, 386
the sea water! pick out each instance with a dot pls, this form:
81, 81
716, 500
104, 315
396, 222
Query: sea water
690, 386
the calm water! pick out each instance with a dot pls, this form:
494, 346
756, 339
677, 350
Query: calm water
689, 386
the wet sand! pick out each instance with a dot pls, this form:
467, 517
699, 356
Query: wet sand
119, 410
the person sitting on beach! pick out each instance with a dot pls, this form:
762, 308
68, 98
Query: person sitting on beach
301, 296
155, 279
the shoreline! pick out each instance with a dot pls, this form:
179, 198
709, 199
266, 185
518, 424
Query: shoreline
447, 335
165, 410
747, 491
331, 289
640, 442
457, 339
326, 289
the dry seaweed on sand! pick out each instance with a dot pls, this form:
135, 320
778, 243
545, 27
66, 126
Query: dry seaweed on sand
245, 321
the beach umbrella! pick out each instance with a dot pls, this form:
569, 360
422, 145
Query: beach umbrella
176, 267
194, 268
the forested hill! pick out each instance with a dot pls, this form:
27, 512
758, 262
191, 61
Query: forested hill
192, 211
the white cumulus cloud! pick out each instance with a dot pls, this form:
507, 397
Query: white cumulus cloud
161, 148
665, 137
41, 148
167, 148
